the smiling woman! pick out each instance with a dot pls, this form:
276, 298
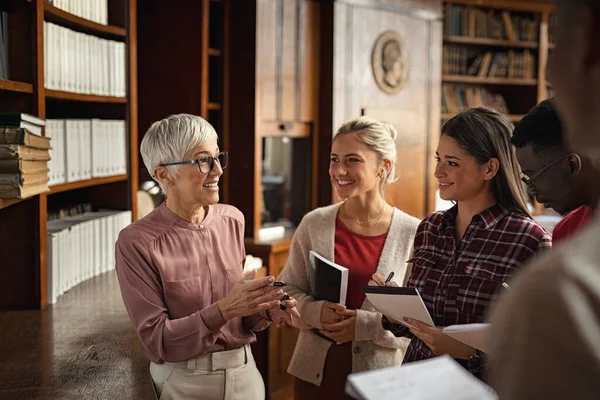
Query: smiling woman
463, 255
180, 273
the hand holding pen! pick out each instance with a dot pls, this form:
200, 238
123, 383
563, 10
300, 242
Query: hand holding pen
378, 280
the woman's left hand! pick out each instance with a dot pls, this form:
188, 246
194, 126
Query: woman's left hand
288, 314
343, 331
438, 341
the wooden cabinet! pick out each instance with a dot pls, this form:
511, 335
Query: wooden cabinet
286, 60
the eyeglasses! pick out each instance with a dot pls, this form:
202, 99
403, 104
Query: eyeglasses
529, 179
205, 164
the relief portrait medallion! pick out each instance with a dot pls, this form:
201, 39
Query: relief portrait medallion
389, 63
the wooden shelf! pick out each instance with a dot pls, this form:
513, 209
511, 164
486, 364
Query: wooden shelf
60, 95
10, 5
68, 20
489, 42
14, 86
9, 202
87, 183
489, 81
512, 117
214, 52
213, 106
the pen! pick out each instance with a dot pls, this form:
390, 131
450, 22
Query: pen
390, 276
276, 283
505, 286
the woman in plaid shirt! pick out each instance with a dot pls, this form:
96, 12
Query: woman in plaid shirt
463, 255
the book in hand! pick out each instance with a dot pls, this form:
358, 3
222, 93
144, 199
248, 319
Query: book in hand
432, 379
398, 302
474, 335
330, 280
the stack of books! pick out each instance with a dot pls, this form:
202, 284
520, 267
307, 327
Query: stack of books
24, 156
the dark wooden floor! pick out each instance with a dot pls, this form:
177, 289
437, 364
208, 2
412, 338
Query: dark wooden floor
83, 347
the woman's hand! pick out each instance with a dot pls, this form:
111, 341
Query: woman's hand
438, 341
344, 331
287, 315
330, 313
246, 299
379, 280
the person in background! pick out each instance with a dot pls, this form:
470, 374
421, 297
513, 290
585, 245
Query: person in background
463, 255
555, 176
180, 273
546, 329
364, 234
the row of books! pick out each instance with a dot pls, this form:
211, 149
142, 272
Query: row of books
458, 98
93, 10
458, 60
24, 157
82, 247
4, 68
475, 22
80, 63
85, 149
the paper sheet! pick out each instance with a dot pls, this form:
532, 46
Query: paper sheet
398, 302
475, 335
434, 379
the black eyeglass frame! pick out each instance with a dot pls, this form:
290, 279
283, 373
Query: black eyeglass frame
202, 159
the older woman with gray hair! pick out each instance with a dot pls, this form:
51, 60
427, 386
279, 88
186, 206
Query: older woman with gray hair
180, 273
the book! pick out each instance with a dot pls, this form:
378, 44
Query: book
26, 179
23, 152
36, 129
14, 117
15, 165
20, 192
474, 335
23, 137
330, 279
432, 379
398, 302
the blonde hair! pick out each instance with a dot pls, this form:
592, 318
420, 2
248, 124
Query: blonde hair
379, 137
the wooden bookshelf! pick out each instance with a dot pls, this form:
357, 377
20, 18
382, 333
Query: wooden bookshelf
91, 98
476, 41
68, 20
214, 52
14, 86
24, 229
86, 183
489, 81
521, 84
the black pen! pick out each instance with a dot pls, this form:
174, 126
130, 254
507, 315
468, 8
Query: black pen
390, 276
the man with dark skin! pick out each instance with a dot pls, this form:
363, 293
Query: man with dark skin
545, 339
555, 176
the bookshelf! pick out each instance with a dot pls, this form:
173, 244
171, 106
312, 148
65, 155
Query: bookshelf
495, 54
24, 222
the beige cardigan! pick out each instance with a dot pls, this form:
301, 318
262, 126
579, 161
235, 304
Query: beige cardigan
374, 347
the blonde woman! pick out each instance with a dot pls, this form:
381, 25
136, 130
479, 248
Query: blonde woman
365, 234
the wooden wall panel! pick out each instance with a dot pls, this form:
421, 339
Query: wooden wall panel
289, 59
309, 31
411, 110
267, 66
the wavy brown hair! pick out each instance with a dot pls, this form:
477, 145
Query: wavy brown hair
485, 134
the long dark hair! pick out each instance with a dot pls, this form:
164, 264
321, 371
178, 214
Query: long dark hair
485, 134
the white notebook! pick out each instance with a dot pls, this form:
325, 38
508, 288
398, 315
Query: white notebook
433, 379
329, 281
398, 302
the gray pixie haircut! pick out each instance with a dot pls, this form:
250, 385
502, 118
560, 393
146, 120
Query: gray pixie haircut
172, 139
379, 137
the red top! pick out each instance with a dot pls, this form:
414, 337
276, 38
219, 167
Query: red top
571, 223
360, 254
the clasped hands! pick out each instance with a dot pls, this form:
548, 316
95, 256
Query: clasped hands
245, 299
433, 336
338, 322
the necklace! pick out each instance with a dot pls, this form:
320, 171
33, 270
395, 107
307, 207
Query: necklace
365, 222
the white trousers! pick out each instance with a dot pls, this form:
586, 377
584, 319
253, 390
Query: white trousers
225, 375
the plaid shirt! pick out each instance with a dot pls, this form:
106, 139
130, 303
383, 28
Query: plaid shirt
458, 281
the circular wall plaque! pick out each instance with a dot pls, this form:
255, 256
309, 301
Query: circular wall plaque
389, 63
